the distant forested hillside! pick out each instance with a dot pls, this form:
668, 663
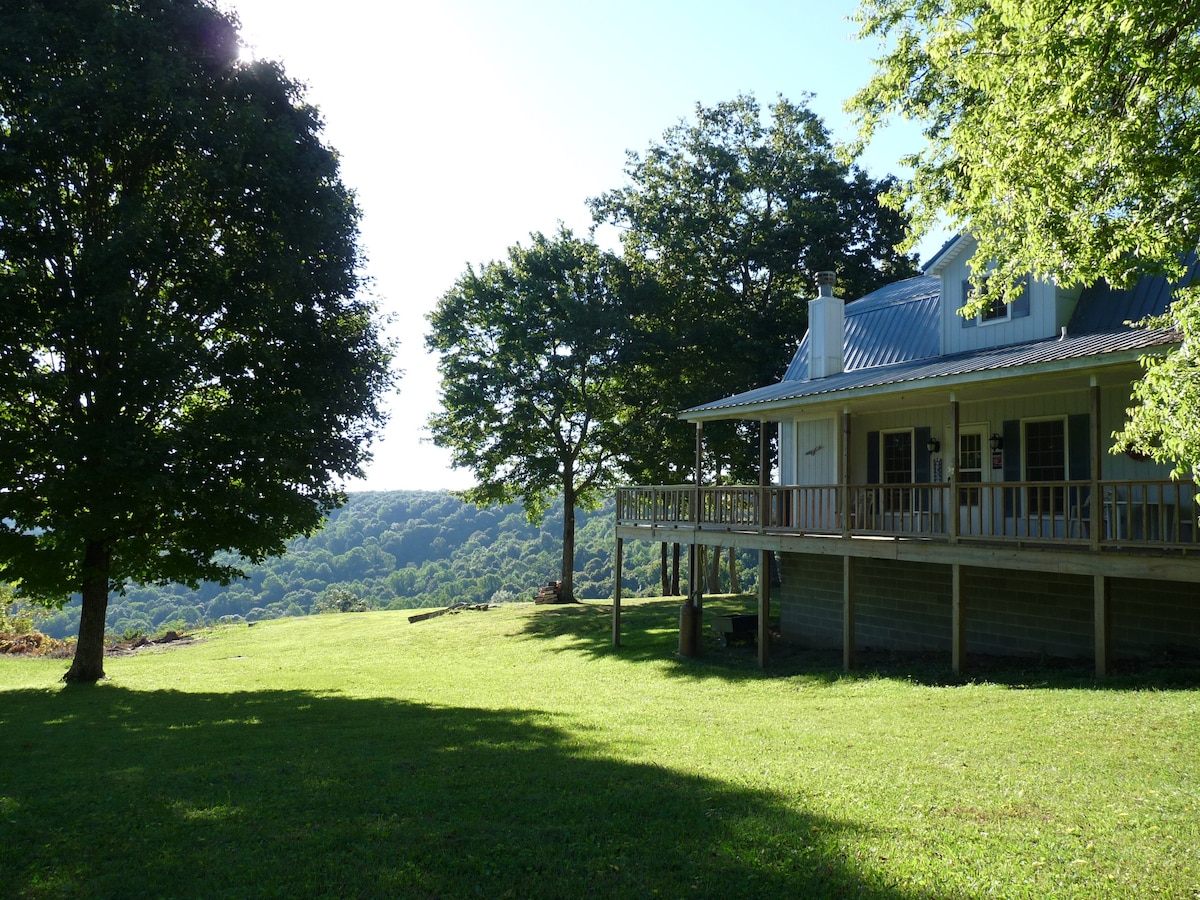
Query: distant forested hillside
398, 550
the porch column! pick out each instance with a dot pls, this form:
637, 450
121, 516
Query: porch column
764, 559
844, 473
958, 619
952, 512
1096, 501
848, 612
1102, 591
616, 616
689, 613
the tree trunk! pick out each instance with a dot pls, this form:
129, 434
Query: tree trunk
662, 568
88, 664
567, 594
675, 569
714, 571
735, 584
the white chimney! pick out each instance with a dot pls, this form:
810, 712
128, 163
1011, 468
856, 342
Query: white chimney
826, 330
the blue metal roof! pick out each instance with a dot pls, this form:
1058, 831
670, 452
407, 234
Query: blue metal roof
1103, 308
897, 323
893, 336
974, 362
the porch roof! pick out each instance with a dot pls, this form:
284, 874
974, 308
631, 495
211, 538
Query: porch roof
1074, 351
892, 340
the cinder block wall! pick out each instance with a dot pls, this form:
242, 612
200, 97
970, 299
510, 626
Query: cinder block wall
1015, 613
1154, 618
906, 606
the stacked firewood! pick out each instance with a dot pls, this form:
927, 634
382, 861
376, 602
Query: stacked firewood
551, 592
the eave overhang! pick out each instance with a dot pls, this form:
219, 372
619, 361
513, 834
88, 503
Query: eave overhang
1081, 354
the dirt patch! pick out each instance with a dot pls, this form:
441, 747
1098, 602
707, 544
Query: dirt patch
141, 644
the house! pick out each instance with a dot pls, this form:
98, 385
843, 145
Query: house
945, 483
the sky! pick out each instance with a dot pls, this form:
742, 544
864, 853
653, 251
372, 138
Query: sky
463, 126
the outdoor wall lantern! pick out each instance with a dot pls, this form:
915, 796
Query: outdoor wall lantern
933, 445
996, 441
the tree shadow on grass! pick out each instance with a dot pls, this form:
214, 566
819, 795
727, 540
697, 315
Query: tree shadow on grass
650, 632
109, 792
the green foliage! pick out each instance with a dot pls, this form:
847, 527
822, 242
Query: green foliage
527, 352
401, 550
187, 368
732, 217
17, 617
1063, 137
340, 600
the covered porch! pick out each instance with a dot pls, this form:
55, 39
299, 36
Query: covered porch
1140, 531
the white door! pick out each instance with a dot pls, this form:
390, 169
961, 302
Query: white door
973, 468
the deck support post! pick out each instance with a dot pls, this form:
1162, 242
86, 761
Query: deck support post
616, 615
764, 608
848, 612
1102, 592
690, 616
958, 620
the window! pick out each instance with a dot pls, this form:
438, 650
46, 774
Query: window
897, 457
996, 310
970, 467
1046, 460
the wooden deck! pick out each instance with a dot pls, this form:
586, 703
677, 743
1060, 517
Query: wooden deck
1134, 529
1144, 530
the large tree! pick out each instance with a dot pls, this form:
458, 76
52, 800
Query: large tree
733, 216
186, 366
1063, 135
530, 388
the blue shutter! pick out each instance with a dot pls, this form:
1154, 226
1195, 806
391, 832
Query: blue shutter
921, 437
966, 294
1011, 432
873, 457
1020, 306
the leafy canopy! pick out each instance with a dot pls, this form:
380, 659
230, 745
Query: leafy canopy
733, 214
187, 365
530, 391
1063, 136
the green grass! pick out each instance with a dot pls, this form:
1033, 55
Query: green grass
513, 753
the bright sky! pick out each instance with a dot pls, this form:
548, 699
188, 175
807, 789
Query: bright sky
465, 125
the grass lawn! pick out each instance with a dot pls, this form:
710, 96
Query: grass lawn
514, 753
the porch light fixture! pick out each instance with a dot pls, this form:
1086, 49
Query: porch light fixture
933, 445
996, 441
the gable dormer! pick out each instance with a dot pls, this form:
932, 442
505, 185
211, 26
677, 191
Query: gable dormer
1040, 312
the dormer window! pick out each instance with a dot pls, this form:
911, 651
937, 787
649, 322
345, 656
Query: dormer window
997, 310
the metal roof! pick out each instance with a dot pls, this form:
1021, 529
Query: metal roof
893, 336
1103, 308
962, 364
897, 323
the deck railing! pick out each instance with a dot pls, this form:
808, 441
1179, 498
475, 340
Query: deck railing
1129, 513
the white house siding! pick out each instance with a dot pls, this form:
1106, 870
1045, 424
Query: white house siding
1048, 311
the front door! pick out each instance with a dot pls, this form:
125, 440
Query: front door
973, 500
